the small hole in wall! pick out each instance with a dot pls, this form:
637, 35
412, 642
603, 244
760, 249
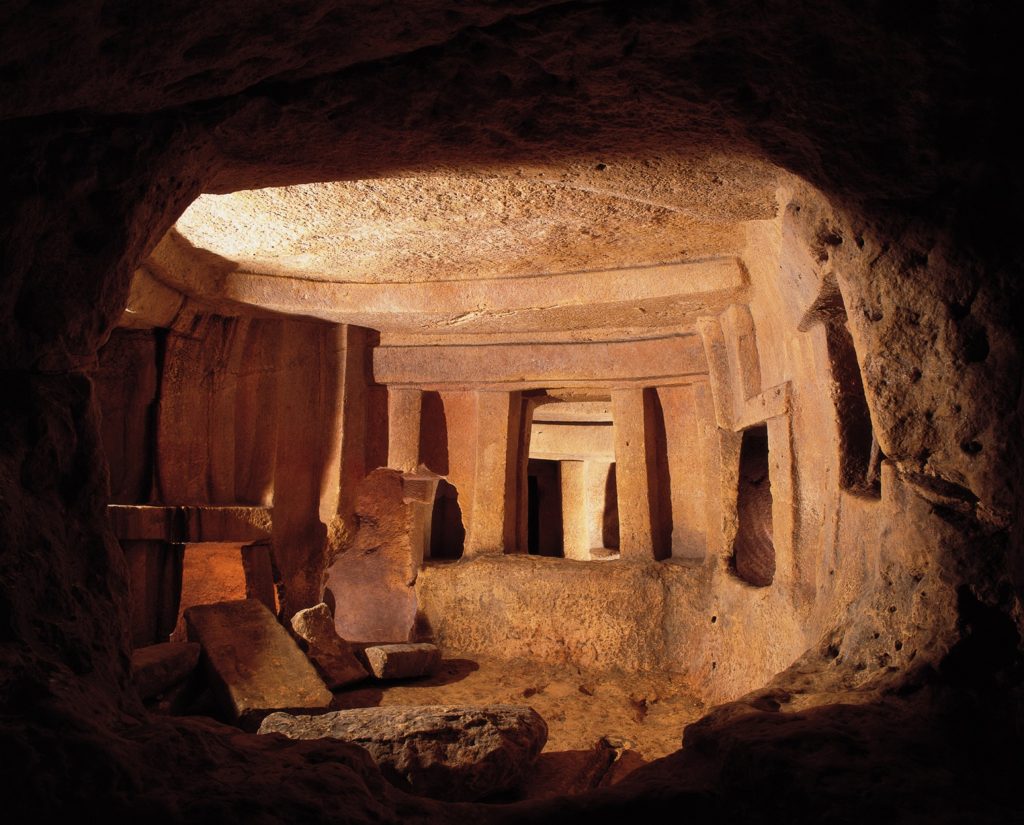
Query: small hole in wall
447, 534
714, 619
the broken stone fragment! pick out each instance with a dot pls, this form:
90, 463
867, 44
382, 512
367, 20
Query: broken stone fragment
326, 649
255, 666
404, 661
156, 668
441, 751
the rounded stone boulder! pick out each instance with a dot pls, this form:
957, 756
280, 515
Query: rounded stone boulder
441, 751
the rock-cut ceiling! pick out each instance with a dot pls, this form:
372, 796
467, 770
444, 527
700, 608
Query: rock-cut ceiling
578, 247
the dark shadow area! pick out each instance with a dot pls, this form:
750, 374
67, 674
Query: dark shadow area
859, 455
610, 518
544, 508
447, 533
434, 433
570, 773
659, 491
753, 548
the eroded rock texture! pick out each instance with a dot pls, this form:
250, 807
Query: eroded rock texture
896, 182
453, 753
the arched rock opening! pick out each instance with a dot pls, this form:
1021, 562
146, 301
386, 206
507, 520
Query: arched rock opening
915, 169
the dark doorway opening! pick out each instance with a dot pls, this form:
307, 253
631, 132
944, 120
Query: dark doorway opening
544, 508
754, 548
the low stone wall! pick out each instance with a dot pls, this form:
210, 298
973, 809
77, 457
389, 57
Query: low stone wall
699, 621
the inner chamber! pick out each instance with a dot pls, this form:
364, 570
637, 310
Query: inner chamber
619, 412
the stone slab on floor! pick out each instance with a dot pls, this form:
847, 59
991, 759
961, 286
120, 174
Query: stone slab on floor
331, 655
441, 751
256, 667
156, 668
403, 661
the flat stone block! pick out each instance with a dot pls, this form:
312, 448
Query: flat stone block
330, 653
403, 661
255, 665
155, 668
440, 751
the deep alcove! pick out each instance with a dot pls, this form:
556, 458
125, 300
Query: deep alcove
254, 253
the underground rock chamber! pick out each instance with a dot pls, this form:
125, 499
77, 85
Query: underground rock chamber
636, 438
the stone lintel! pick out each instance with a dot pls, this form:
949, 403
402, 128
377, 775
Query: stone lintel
572, 442
592, 412
642, 362
189, 524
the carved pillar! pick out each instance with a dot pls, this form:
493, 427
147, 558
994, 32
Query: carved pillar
636, 539
575, 537
687, 471
405, 405
495, 506
595, 479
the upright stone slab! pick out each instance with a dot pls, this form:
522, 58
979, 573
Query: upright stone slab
255, 666
575, 537
371, 582
492, 529
636, 538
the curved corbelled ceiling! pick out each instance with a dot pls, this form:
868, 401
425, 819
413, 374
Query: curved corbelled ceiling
593, 244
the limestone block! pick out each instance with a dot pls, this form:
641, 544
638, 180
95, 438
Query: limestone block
403, 661
541, 365
498, 420
155, 668
326, 649
445, 752
371, 581
255, 666
572, 441
636, 539
575, 536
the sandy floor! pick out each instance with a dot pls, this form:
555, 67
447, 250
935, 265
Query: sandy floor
639, 717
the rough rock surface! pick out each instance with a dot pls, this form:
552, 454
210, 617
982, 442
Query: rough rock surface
158, 667
113, 121
403, 661
254, 664
330, 653
444, 752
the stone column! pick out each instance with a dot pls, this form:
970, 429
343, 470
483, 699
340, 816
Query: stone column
595, 480
575, 535
636, 539
493, 525
687, 471
405, 405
